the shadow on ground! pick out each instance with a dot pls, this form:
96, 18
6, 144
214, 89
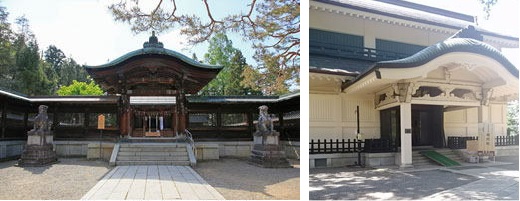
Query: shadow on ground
370, 184
238, 180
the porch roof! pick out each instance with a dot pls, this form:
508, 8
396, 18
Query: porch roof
382, 73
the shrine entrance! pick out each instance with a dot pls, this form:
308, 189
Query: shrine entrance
153, 116
152, 84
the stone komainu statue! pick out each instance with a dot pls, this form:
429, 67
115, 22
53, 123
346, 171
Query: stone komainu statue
265, 123
41, 122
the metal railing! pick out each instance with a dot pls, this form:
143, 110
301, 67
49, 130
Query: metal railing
455, 142
351, 146
353, 52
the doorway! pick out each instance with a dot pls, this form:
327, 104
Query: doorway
427, 125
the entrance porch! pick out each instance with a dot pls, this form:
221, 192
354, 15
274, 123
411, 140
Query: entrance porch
460, 86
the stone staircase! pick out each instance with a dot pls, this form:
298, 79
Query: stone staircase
420, 161
153, 154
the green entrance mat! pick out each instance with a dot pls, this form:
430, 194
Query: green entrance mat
439, 158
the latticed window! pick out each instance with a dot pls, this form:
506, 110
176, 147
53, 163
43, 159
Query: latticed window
202, 119
71, 119
234, 119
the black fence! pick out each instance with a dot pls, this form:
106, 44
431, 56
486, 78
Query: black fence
506, 140
351, 146
379, 146
460, 142
335, 146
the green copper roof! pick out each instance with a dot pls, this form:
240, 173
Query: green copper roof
154, 47
448, 46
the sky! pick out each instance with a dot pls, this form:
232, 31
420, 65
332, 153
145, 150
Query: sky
85, 29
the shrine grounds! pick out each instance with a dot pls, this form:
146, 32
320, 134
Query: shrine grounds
475, 182
72, 178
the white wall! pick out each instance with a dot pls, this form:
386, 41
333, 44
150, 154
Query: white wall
332, 116
465, 122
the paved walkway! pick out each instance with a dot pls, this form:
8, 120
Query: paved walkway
152, 183
495, 184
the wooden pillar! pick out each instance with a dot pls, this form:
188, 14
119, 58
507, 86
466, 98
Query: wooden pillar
4, 117
219, 121
281, 124
86, 121
183, 112
250, 124
55, 122
25, 120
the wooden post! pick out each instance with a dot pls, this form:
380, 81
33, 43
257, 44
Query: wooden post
4, 117
250, 124
86, 121
25, 120
219, 121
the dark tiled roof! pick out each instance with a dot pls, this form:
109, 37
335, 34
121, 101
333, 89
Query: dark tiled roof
444, 47
350, 65
448, 46
156, 51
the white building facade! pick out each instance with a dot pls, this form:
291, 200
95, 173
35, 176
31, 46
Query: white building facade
419, 75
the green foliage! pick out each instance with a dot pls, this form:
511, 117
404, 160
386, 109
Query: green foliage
272, 27
228, 81
268, 78
80, 88
21, 67
512, 118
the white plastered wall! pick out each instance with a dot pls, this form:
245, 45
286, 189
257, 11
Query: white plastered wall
465, 122
333, 116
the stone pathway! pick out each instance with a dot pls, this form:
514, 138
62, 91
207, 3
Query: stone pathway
152, 183
495, 184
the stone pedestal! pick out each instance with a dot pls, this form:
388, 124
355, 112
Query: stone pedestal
267, 151
38, 152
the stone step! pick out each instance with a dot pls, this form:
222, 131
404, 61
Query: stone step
152, 158
151, 149
152, 145
184, 153
179, 163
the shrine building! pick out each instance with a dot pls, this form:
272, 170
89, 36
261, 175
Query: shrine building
391, 79
151, 97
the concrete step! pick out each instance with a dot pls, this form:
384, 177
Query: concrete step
152, 149
179, 163
152, 158
153, 153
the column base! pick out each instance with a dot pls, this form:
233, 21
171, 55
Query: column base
406, 166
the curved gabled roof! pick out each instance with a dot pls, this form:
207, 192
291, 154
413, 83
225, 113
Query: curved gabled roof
155, 51
448, 46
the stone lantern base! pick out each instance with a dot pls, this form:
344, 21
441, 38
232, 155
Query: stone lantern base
267, 152
38, 154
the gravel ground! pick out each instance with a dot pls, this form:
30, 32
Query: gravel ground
371, 184
69, 179
235, 179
